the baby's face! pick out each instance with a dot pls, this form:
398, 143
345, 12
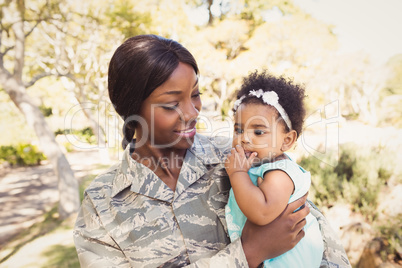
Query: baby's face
257, 129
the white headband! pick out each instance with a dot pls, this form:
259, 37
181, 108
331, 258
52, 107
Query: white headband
270, 98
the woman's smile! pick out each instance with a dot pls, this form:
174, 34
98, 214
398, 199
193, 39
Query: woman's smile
189, 132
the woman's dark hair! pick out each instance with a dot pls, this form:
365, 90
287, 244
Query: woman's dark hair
290, 95
138, 66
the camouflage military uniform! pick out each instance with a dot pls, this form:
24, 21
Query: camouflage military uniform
130, 218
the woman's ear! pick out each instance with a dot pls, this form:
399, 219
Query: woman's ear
289, 140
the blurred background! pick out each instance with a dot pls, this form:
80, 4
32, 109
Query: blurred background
58, 129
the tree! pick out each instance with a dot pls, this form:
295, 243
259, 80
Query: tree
257, 35
216, 55
83, 48
203, 4
391, 96
19, 22
353, 80
394, 83
82, 55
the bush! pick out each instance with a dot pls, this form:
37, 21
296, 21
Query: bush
46, 111
21, 155
85, 134
392, 231
357, 178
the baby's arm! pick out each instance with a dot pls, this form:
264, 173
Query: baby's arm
262, 204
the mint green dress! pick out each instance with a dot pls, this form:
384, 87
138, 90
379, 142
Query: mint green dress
309, 251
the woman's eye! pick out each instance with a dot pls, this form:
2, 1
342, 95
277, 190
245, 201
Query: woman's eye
197, 95
170, 107
258, 132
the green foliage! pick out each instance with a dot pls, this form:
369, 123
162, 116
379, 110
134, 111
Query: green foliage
226, 107
68, 146
46, 111
357, 178
123, 17
253, 10
391, 95
229, 36
394, 82
21, 155
60, 132
393, 232
85, 134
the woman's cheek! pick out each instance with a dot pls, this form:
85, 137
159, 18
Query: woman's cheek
166, 122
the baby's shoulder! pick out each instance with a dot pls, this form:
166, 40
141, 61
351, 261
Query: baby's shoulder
288, 166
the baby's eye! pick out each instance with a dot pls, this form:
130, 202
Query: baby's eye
238, 130
259, 132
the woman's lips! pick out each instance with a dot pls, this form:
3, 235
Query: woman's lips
187, 133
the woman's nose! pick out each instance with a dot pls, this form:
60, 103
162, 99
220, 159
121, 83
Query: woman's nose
189, 112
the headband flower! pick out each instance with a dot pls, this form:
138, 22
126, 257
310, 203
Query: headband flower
270, 98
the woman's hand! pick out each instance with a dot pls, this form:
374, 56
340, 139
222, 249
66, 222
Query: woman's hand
279, 236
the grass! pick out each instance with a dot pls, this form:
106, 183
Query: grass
61, 256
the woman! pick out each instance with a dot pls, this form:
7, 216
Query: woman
163, 204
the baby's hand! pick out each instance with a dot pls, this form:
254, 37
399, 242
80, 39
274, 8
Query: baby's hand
237, 161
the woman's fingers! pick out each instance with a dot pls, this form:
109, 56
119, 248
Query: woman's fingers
297, 204
300, 225
259, 181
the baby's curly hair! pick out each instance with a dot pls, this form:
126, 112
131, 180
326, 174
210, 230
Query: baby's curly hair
290, 95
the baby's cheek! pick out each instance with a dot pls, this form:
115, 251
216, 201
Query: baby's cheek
234, 142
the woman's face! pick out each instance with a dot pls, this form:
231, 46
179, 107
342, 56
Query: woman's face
168, 115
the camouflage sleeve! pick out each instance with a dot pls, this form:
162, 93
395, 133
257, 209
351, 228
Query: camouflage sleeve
231, 256
334, 253
95, 248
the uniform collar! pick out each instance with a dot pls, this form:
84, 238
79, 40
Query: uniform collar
142, 180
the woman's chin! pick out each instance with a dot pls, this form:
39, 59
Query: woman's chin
179, 143
185, 143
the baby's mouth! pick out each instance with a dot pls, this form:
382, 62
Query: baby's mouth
248, 153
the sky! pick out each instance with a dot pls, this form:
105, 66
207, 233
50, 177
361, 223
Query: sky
373, 26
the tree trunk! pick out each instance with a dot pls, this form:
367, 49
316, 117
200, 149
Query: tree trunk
211, 17
13, 84
69, 201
